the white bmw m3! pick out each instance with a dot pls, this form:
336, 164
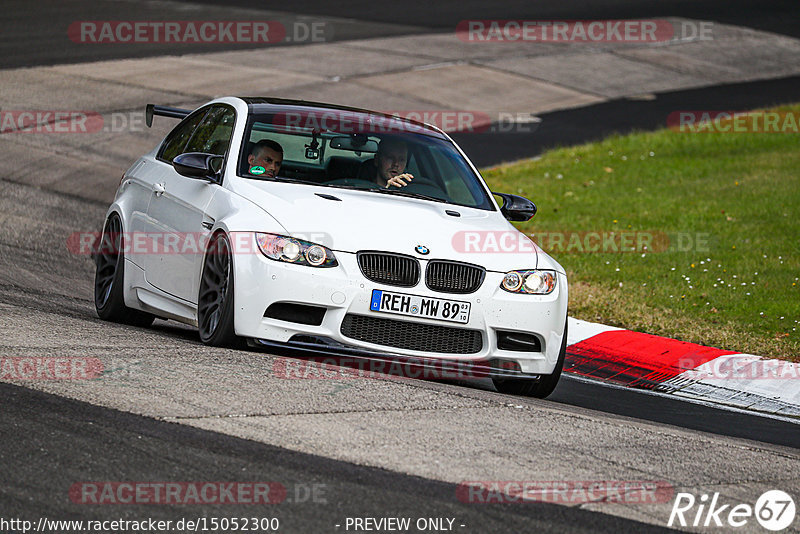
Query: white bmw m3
344, 231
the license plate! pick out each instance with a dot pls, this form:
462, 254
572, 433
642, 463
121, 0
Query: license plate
416, 306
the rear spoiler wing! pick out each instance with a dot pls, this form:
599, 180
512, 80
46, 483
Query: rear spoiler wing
164, 111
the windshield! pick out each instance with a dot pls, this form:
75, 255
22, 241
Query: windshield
345, 154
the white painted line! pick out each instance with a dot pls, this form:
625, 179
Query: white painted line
581, 330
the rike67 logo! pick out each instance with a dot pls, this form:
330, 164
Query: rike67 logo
774, 510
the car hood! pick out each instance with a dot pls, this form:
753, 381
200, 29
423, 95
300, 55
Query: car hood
350, 221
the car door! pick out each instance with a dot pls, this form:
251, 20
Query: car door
176, 213
137, 186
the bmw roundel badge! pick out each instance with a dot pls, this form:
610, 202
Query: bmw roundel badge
422, 249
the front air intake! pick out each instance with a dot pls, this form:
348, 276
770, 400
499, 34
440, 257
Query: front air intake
296, 313
412, 336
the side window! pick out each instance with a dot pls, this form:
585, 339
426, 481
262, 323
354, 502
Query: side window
213, 135
178, 137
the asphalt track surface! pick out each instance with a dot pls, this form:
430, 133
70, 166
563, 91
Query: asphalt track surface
621, 116
33, 31
49, 442
778, 16
57, 443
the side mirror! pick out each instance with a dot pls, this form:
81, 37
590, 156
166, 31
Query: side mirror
199, 165
516, 208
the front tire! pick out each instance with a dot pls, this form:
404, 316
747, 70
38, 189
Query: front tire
109, 278
535, 388
215, 299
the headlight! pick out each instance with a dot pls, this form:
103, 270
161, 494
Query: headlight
512, 281
316, 255
533, 282
297, 251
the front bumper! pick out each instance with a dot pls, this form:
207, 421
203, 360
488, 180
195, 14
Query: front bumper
326, 352
343, 291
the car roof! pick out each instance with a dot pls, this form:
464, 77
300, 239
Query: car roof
273, 105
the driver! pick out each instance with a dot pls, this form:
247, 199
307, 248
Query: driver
388, 166
266, 158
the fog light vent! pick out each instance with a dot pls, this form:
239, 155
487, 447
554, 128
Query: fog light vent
518, 341
296, 313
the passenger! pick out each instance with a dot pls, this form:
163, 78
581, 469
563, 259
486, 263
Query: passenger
388, 166
265, 159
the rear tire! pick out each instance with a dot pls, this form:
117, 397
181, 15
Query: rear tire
535, 388
215, 298
109, 278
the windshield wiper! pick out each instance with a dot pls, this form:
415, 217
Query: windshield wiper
400, 192
294, 180
386, 191
351, 187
